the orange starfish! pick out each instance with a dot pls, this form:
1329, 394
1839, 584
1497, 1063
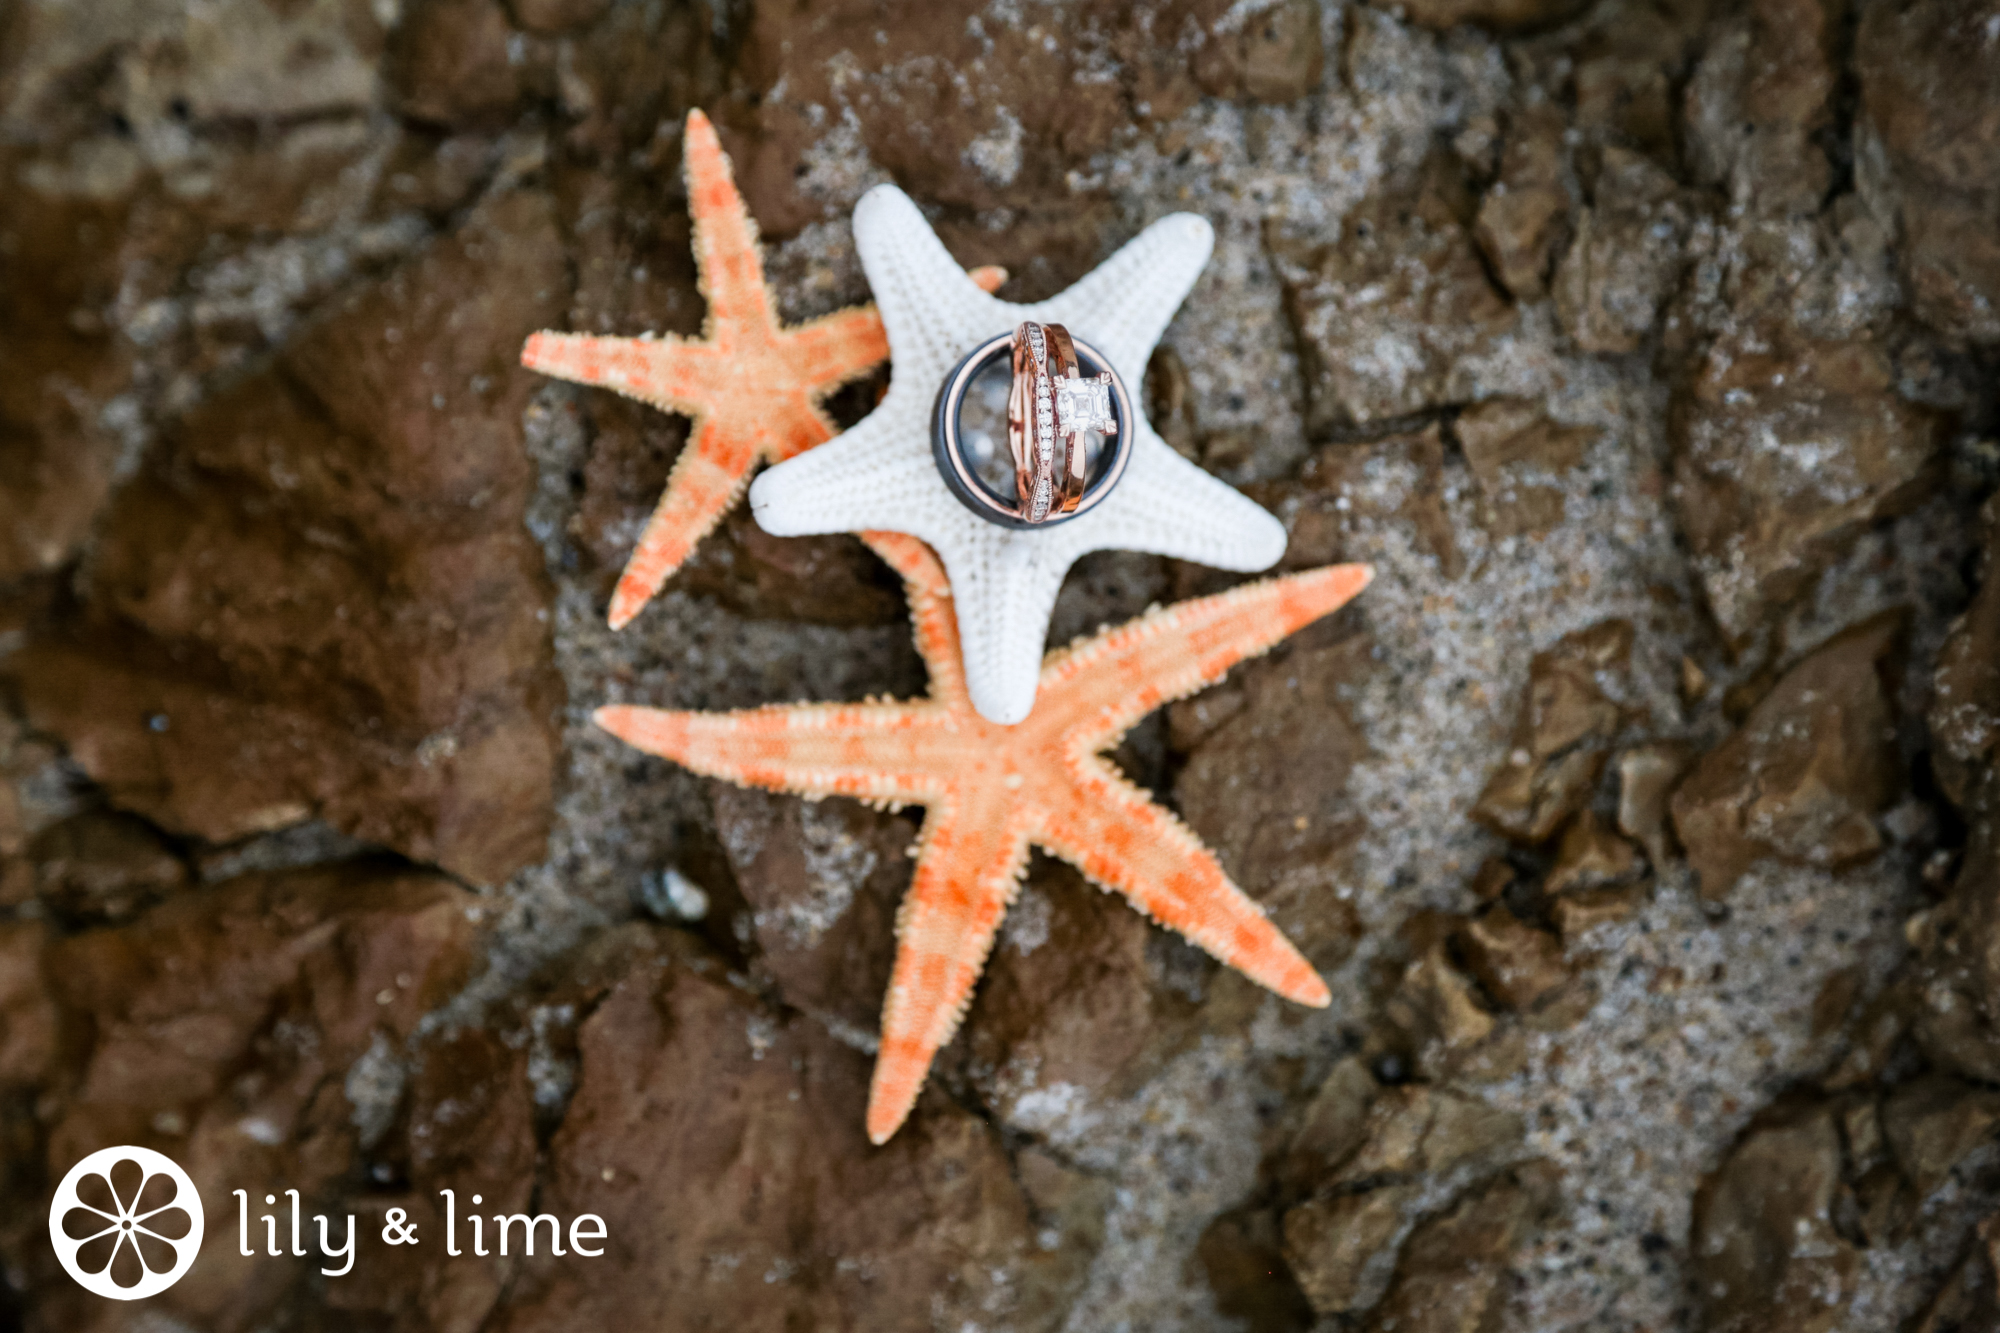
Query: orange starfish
991, 790
753, 387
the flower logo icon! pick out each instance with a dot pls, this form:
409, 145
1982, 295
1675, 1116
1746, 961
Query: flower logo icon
126, 1223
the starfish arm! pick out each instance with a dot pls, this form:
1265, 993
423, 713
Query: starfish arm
730, 269
829, 351
1122, 840
933, 311
665, 372
1169, 506
707, 478
876, 475
1005, 585
872, 751
1094, 691
968, 869
1123, 306
931, 610
1005, 582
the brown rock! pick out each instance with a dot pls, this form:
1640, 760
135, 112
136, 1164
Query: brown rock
1417, 1130
235, 1029
1242, 1257
1805, 776
1516, 962
1577, 914
1334, 1124
1591, 856
1346, 494
1265, 787
1385, 314
1646, 778
36, 791
1626, 258
1932, 1123
1884, 1206
984, 114
1342, 1247
28, 1017
1875, 1037
1495, 877
104, 866
1559, 742
1965, 693
688, 1087
1435, 1006
1930, 102
1760, 97
610, 78
1072, 1008
1835, 999
449, 63
1520, 459
552, 16
55, 454
1693, 681
1969, 1299
469, 1129
1950, 1007
1524, 218
374, 949
1453, 1276
1861, 1130
822, 881
395, 678
820, 580
1070, 1208
1765, 1252
1274, 55
1563, 1008
1629, 68
1784, 451
1502, 15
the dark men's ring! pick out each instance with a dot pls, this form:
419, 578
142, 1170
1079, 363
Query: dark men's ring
985, 428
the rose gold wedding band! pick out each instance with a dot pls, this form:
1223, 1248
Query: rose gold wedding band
1031, 422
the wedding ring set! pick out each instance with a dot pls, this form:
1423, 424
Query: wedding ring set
1067, 427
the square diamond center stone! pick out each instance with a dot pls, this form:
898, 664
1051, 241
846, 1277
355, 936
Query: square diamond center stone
1085, 404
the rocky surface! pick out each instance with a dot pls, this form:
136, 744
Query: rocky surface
1641, 815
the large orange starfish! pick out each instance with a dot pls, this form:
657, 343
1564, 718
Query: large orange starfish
991, 790
752, 387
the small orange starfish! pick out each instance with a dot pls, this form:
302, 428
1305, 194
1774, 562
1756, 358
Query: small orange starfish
753, 387
991, 790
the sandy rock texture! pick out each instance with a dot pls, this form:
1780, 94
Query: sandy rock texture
1641, 815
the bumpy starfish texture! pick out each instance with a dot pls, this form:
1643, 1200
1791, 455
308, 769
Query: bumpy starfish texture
882, 475
992, 790
752, 386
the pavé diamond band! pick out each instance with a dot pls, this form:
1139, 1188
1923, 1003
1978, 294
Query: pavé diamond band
1065, 431
1031, 421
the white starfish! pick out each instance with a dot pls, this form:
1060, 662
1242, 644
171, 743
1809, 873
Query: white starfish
882, 475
